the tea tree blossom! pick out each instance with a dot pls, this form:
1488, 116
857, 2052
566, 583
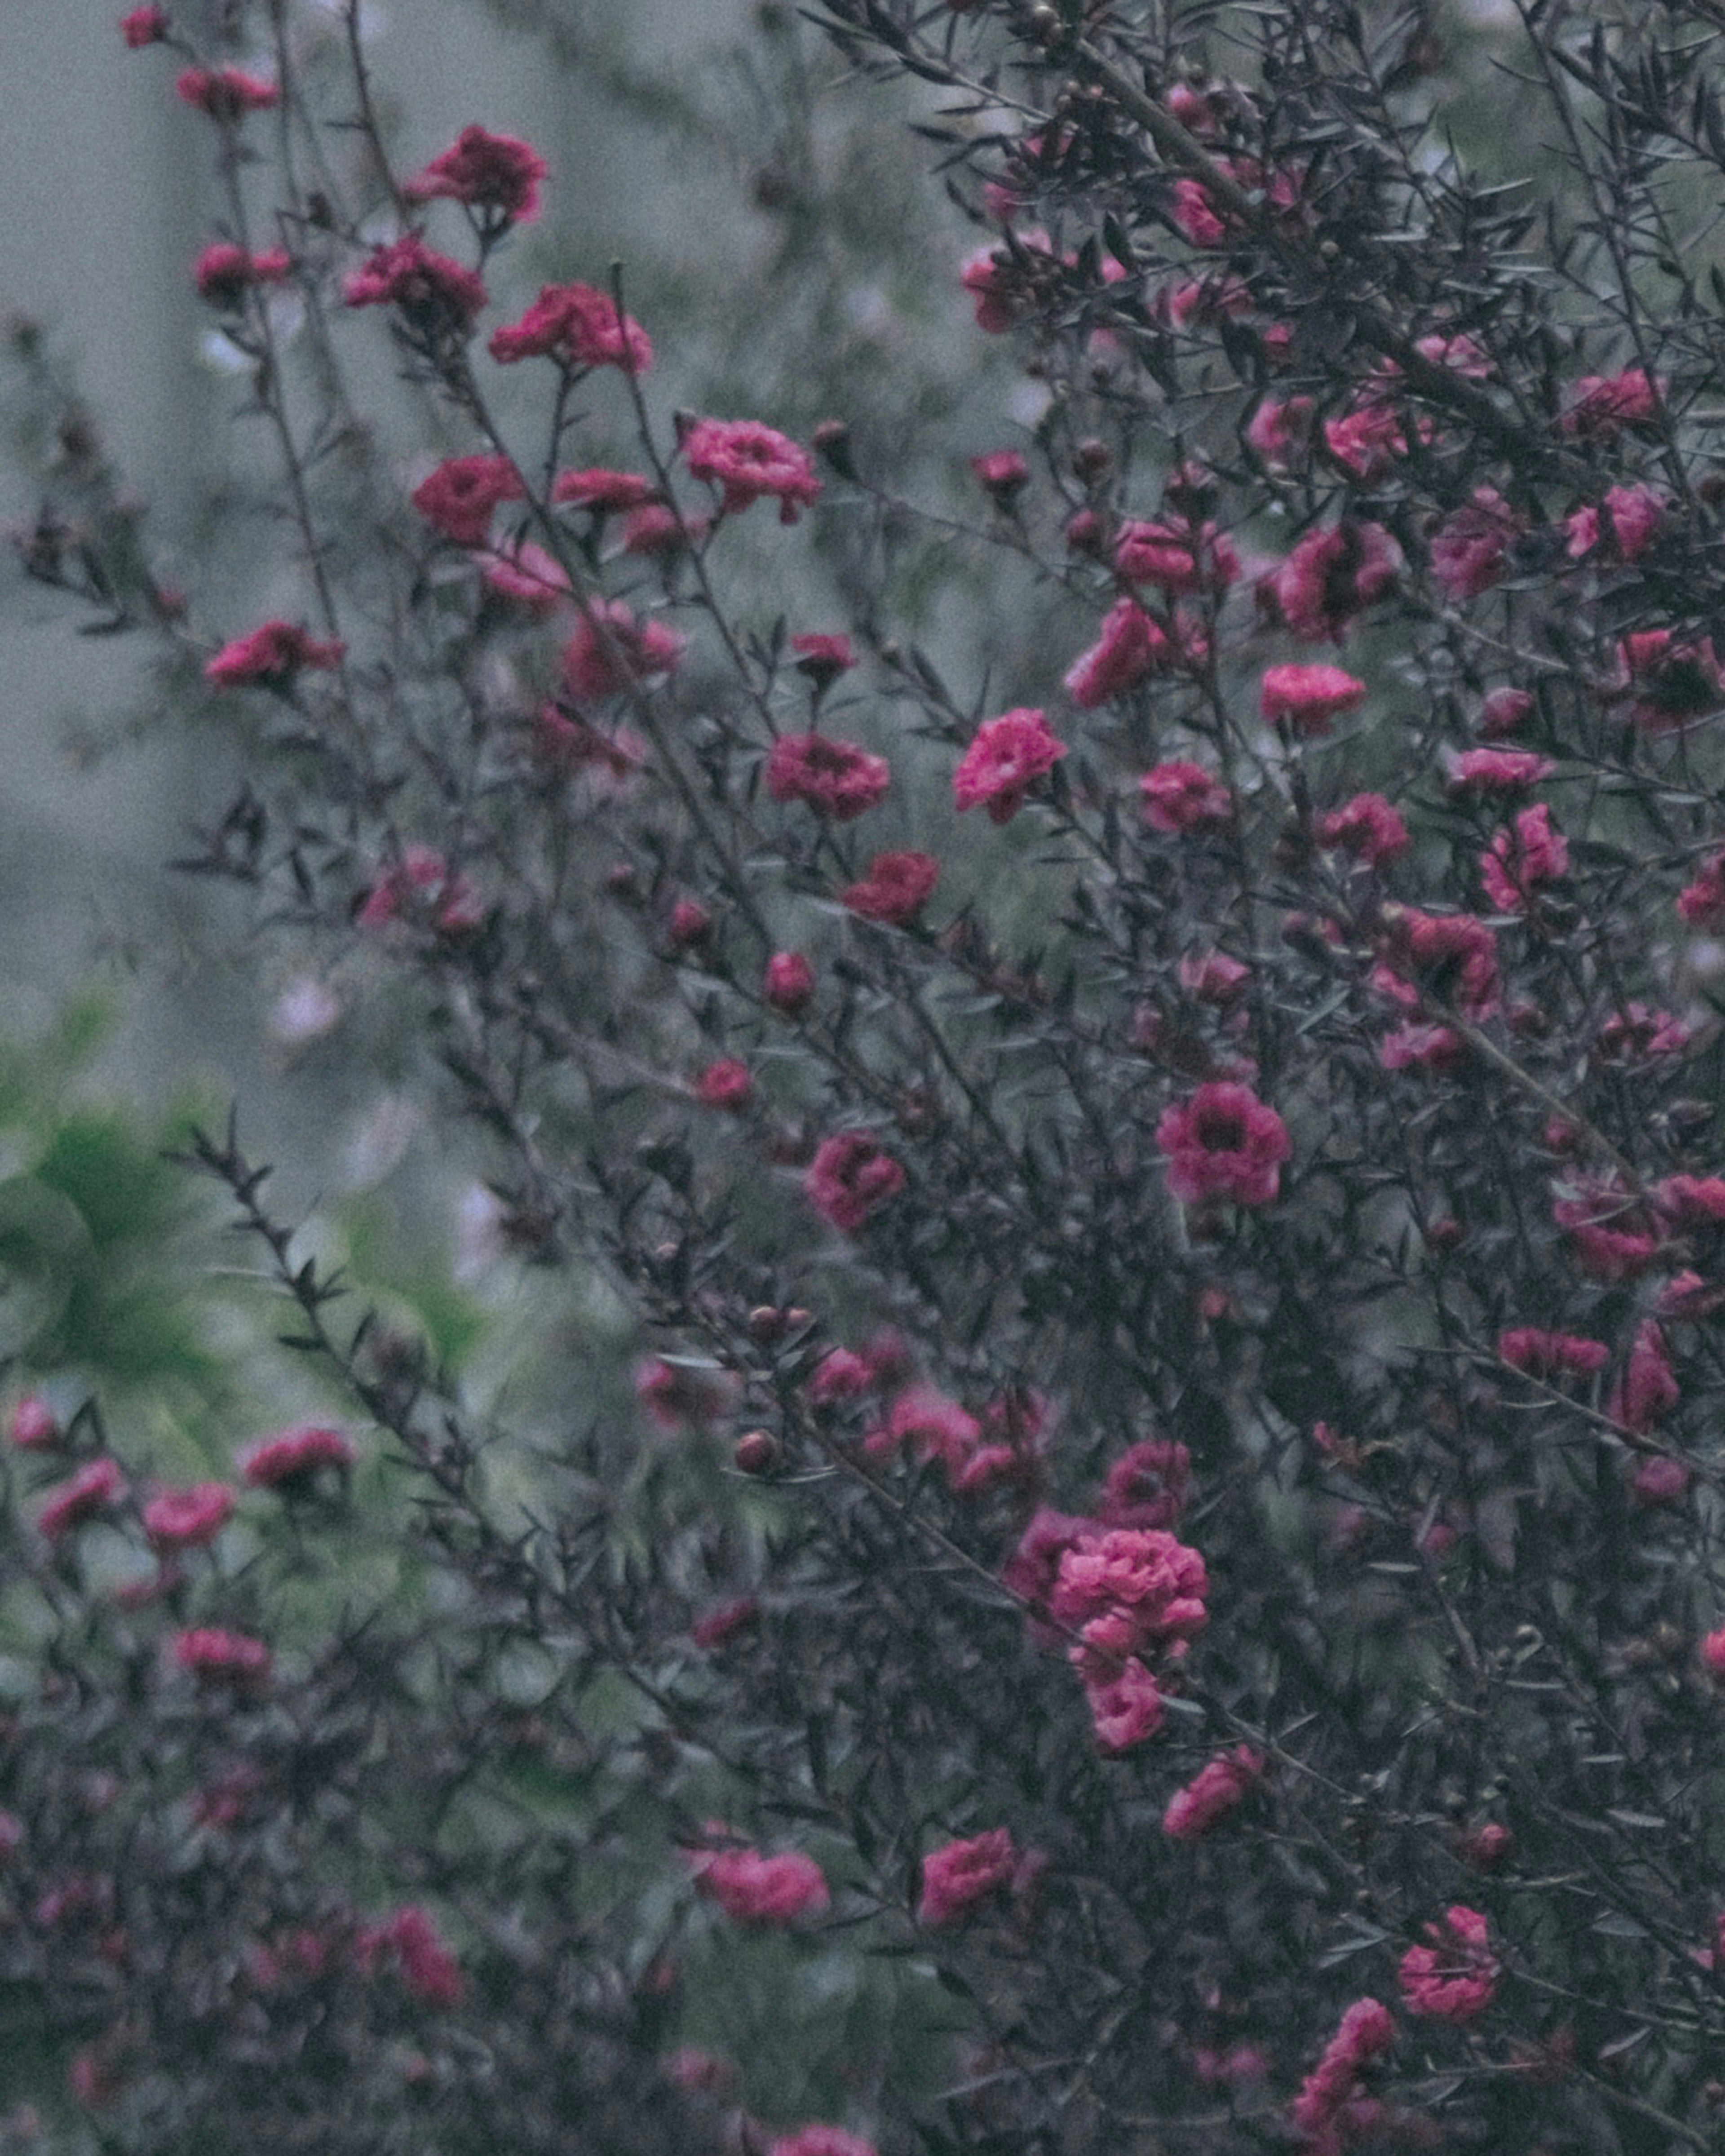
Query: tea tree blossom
486, 172
753, 1889
271, 656
1224, 1142
292, 1458
836, 780
961, 1874
1006, 756
1454, 1979
458, 497
1218, 1789
748, 462
850, 1178
895, 889
579, 326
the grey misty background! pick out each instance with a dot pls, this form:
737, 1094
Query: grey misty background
108, 183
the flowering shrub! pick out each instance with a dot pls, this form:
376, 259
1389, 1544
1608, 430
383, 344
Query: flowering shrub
1176, 1448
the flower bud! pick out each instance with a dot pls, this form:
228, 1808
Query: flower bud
756, 1452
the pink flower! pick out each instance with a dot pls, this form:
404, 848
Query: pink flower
1366, 2032
1127, 1588
292, 1457
214, 1657
1648, 1389
1367, 827
428, 1967
821, 2140
1409, 1046
1636, 1035
1484, 1845
1006, 756
750, 461
270, 657
602, 490
187, 1519
224, 93
1609, 1231
90, 1491
937, 1427
458, 497
1483, 771
1308, 697
752, 1889
836, 778
1451, 955
579, 326
1330, 579
487, 172
224, 273
1701, 903
1130, 647
1693, 1201
690, 924
1552, 1354
850, 1176
839, 1375
1364, 440
1280, 431
655, 528
1677, 680
1213, 977
526, 573
717, 1624
788, 985
678, 1395
611, 651
1712, 1656
144, 26
1179, 558
1468, 546
726, 1084
1182, 796
1224, 1142
1504, 711
33, 1426
1517, 864
1148, 1486
895, 889
823, 659
1003, 473
1454, 1979
436, 295
421, 886
1034, 1567
1661, 1481
1002, 281
1215, 1791
1604, 403
958, 1877
1124, 1710
1628, 519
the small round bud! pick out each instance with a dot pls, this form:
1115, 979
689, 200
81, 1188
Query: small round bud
756, 1452
765, 1322
1092, 459
1444, 1233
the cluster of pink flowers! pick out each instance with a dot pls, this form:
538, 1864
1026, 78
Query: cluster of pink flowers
1179, 558
1216, 1790
1552, 1354
1603, 405
1454, 1979
753, 1889
1224, 1142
